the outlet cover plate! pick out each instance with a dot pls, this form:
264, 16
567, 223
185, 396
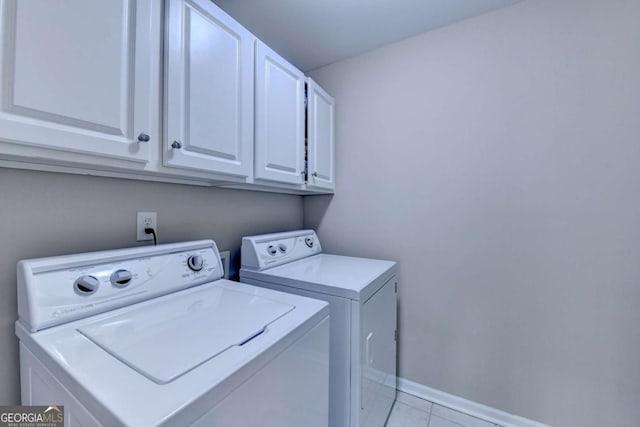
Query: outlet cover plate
144, 220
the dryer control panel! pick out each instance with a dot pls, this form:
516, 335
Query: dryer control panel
60, 289
268, 250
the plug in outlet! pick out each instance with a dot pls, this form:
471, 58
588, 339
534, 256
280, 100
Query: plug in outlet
145, 220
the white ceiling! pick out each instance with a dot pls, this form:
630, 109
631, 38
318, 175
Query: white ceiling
313, 33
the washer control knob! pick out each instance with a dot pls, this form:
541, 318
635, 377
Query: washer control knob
272, 250
195, 262
309, 241
282, 247
121, 278
86, 285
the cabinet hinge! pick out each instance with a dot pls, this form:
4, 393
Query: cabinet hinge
396, 287
395, 335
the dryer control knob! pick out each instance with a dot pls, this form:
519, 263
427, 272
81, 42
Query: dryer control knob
121, 278
309, 241
195, 262
272, 250
282, 247
86, 285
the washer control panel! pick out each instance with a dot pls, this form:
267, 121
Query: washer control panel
60, 289
269, 250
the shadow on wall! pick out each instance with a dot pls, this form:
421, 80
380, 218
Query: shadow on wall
315, 207
234, 264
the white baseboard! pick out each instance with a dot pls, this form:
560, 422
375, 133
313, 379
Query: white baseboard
465, 406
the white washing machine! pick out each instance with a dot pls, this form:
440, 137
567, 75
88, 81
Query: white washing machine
362, 294
152, 336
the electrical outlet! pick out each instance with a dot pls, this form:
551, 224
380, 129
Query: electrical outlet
146, 220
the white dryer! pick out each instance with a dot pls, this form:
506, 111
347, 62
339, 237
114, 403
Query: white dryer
152, 336
362, 294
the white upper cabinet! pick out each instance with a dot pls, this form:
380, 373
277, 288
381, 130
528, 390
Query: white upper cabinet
85, 88
209, 90
279, 120
77, 80
320, 138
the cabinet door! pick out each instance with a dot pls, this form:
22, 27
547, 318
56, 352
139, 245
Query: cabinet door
209, 93
320, 137
78, 80
279, 121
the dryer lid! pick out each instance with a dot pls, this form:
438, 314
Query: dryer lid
342, 276
163, 341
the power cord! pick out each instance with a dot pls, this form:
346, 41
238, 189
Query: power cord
152, 231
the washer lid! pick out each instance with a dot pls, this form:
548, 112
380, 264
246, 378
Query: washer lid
165, 340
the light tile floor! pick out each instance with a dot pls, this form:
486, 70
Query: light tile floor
411, 411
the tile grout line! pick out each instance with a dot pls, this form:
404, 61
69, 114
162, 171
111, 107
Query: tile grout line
431, 408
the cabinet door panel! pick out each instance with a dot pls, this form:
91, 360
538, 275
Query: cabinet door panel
320, 137
209, 108
279, 144
77, 76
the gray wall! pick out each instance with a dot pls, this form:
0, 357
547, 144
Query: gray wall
498, 160
45, 214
